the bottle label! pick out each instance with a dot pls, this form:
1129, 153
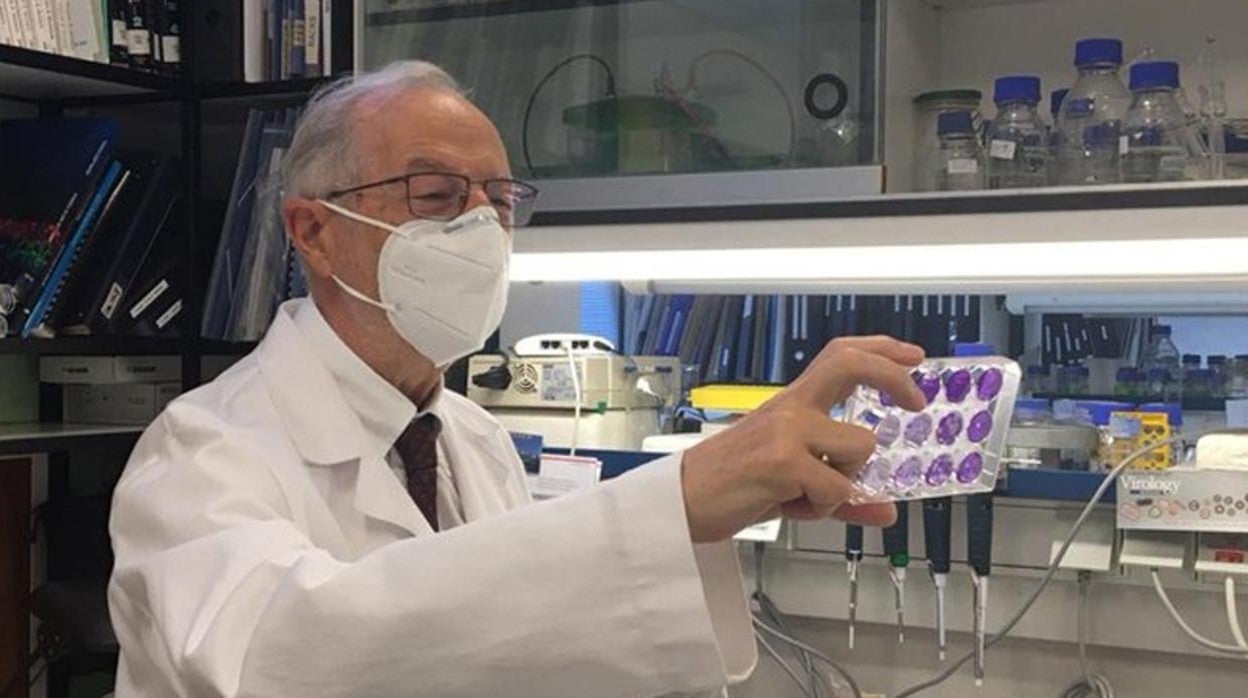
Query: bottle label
1124, 145
139, 42
963, 166
1002, 150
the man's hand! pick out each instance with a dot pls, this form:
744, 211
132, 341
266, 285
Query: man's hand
789, 457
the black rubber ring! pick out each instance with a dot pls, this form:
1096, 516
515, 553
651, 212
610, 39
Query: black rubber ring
842, 96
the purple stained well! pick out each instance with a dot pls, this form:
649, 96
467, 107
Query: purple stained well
980, 427
887, 400
909, 472
888, 431
970, 468
875, 475
950, 428
957, 385
929, 384
919, 429
939, 471
989, 384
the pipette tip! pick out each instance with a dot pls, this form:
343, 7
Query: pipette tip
943, 654
901, 638
979, 683
851, 637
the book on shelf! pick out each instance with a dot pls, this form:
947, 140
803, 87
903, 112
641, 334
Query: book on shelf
142, 34
255, 269
262, 41
78, 221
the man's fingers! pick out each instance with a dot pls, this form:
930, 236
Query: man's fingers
890, 348
846, 447
823, 486
830, 382
881, 514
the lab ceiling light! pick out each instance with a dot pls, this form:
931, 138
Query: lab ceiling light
994, 266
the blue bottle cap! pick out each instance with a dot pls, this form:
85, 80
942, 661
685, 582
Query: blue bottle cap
1017, 88
1174, 412
1056, 97
1191, 360
1128, 374
1090, 52
1155, 75
1161, 330
974, 349
1216, 360
1098, 412
954, 122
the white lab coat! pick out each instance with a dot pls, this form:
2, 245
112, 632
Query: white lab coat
260, 552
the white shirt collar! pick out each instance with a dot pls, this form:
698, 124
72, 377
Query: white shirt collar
384, 412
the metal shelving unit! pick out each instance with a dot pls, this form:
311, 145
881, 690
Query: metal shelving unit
54, 85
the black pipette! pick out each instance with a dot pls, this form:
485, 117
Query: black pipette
897, 550
937, 532
853, 557
979, 555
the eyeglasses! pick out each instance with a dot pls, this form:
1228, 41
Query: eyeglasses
443, 196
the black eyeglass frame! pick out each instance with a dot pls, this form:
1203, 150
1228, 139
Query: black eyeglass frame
530, 192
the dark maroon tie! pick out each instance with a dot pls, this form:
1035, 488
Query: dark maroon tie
418, 448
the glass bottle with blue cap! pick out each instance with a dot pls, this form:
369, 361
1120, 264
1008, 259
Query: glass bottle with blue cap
961, 158
1018, 139
1157, 142
1091, 116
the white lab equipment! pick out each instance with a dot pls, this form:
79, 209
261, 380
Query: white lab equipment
621, 399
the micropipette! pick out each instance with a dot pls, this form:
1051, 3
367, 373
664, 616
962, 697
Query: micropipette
853, 557
979, 555
897, 550
937, 525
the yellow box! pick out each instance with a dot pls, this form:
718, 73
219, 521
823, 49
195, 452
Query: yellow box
732, 398
1131, 431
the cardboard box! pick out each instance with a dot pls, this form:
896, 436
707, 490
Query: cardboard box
103, 370
119, 403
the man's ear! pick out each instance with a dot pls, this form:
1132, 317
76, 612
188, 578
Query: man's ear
306, 225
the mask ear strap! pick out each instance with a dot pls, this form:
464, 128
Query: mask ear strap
358, 217
360, 296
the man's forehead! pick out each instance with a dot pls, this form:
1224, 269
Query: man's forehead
433, 129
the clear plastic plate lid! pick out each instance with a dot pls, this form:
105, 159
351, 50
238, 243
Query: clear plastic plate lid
952, 447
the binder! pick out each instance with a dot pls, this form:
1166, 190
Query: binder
69, 252
151, 203
296, 46
744, 340
84, 257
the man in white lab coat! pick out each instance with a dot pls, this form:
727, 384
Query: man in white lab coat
325, 520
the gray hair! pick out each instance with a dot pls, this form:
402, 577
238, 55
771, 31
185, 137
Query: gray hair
322, 153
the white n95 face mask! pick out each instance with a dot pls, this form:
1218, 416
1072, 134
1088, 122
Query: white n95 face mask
443, 284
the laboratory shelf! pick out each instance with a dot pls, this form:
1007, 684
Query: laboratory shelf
1058, 485
32, 76
300, 87
1052, 199
1190, 404
91, 346
44, 437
